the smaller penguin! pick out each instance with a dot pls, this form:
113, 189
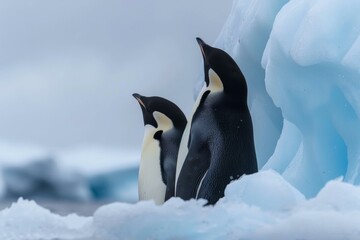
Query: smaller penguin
164, 125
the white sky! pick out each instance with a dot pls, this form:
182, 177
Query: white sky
68, 68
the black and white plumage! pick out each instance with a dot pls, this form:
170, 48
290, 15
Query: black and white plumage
218, 143
164, 125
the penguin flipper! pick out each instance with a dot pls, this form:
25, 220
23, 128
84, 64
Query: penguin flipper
195, 166
170, 189
170, 169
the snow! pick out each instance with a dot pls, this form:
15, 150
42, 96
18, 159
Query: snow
280, 212
282, 195
333, 214
25, 220
301, 61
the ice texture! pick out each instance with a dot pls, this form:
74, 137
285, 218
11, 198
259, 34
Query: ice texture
280, 195
244, 37
232, 217
25, 220
311, 74
259, 206
301, 62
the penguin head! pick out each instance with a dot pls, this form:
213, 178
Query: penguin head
160, 113
221, 71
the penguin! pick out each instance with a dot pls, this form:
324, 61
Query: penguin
164, 125
218, 144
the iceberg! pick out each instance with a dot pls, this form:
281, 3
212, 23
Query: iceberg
109, 174
301, 61
80, 175
312, 78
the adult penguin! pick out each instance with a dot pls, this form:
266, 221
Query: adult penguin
220, 143
164, 125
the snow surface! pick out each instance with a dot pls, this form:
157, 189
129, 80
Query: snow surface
25, 220
280, 212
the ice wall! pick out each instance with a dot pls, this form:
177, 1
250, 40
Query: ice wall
312, 74
302, 56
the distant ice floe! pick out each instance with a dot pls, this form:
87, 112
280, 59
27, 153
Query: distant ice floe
78, 175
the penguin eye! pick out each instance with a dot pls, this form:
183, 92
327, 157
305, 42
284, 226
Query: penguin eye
157, 135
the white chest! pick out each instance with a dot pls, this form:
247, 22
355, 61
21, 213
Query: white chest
183, 149
150, 184
215, 86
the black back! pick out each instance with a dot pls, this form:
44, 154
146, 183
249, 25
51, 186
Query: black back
221, 142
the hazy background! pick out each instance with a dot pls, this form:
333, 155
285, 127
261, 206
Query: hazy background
68, 68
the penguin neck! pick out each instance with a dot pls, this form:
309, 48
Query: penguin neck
237, 90
215, 84
229, 85
149, 134
163, 121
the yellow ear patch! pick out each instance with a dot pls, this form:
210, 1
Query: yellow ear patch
164, 123
215, 84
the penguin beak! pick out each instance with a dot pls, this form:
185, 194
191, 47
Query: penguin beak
202, 46
138, 98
